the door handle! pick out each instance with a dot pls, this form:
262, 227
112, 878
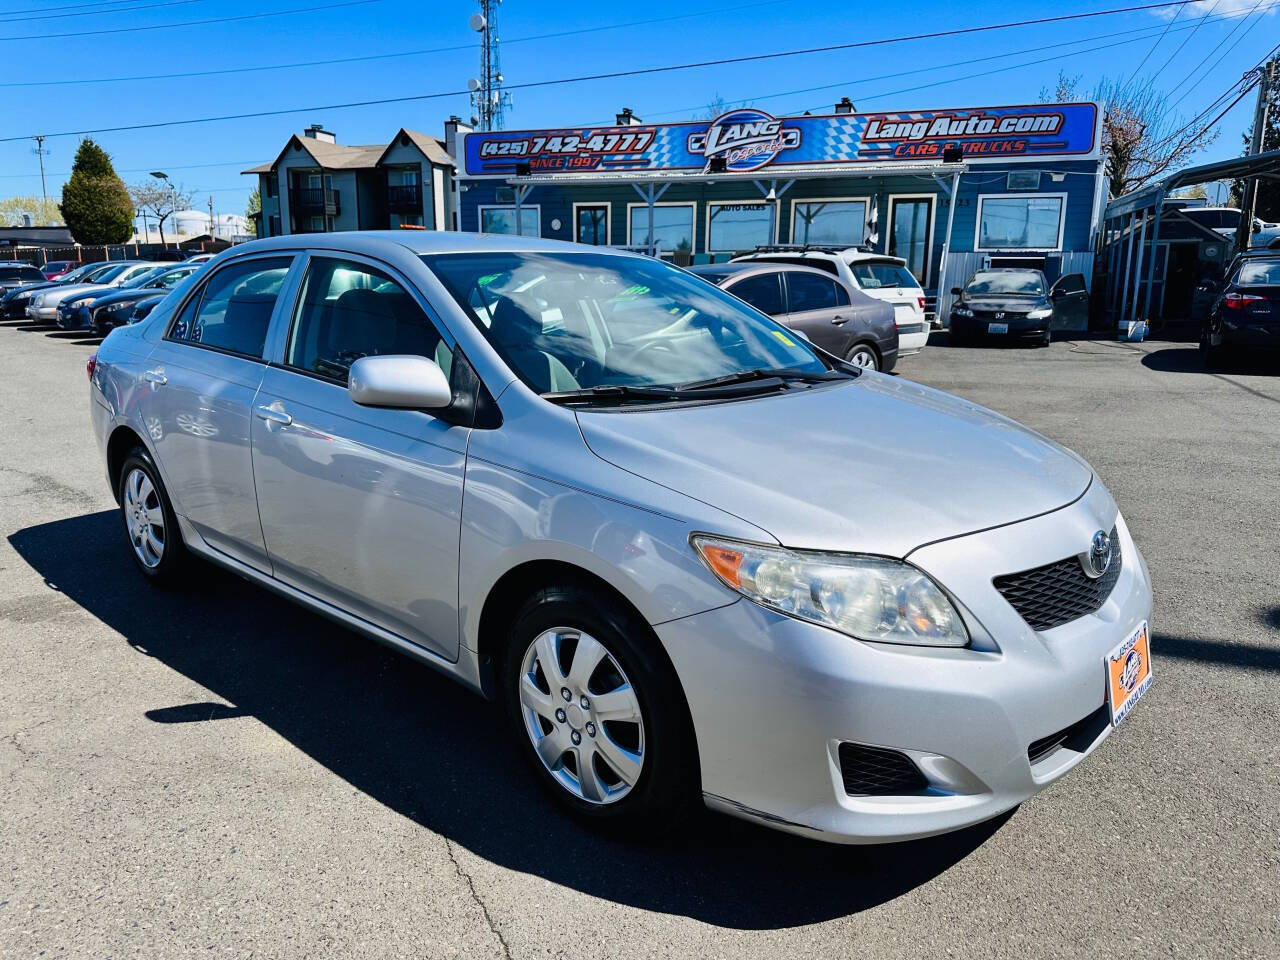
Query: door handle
272, 415
837, 320
155, 376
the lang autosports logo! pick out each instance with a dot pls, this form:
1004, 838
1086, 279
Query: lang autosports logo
747, 139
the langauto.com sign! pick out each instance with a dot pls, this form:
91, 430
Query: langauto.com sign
750, 139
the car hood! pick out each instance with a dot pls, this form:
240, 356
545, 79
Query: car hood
122, 296
28, 288
57, 294
876, 465
1007, 304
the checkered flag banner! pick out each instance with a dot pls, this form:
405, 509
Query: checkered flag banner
873, 223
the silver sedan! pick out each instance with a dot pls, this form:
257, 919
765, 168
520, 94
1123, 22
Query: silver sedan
692, 557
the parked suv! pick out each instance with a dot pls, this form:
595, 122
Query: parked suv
843, 321
875, 274
13, 275
694, 558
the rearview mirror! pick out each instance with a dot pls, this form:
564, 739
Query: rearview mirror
956, 291
405, 382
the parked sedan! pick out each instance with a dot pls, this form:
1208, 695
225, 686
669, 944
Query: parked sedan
13, 305
73, 311
103, 313
1246, 311
695, 558
44, 305
13, 275
59, 268
843, 321
1017, 304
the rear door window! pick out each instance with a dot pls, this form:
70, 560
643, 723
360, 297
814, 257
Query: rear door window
763, 291
807, 291
233, 309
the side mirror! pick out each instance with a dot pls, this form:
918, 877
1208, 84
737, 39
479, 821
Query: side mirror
405, 382
956, 291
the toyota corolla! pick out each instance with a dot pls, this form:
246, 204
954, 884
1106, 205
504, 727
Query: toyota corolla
694, 557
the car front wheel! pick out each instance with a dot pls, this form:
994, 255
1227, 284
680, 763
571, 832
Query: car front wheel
598, 710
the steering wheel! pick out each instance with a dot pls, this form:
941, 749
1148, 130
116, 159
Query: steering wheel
665, 345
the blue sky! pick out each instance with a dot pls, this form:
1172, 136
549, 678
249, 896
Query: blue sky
208, 157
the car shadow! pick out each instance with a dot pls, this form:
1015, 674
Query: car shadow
427, 748
1188, 359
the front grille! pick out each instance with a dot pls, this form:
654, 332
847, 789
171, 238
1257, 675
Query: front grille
877, 772
1078, 736
1060, 592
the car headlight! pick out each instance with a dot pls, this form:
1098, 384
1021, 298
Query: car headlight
962, 311
1040, 313
867, 597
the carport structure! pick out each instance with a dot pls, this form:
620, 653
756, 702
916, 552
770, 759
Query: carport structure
1131, 231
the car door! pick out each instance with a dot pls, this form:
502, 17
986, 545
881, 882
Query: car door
818, 306
360, 506
203, 376
1070, 303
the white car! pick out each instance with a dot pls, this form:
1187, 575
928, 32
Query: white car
44, 305
875, 274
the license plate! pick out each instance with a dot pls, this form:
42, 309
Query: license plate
1128, 673
997, 328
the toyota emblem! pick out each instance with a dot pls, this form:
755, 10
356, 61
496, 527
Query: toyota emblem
1098, 559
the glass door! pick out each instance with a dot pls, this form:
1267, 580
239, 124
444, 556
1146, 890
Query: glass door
593, 225
911, 233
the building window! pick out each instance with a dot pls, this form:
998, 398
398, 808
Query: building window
317, 224
672, 226
503, 220
270, 182
733, 227
1021, 222
911, 233
837, 223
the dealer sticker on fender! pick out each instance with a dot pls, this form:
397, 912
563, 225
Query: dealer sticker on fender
1128, 673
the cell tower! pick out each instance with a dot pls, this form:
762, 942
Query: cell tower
487, 97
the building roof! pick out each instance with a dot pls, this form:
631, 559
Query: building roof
340, 156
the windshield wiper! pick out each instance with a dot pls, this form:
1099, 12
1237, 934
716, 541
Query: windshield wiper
782, 374
612, 393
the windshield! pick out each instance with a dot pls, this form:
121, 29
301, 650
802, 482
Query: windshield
1022, 283
1261, 273
109, 274
570, 321
874, 274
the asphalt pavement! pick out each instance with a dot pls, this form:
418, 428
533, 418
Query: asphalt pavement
214, 771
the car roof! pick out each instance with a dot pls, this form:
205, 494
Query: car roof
738, 267
848, 255
422, 242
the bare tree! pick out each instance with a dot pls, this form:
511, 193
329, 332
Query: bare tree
1142, 138
717, 106
160, 201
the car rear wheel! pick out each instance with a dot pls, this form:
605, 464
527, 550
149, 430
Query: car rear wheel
863, 356
149, 520
598, 710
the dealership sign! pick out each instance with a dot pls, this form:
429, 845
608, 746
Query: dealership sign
748, 139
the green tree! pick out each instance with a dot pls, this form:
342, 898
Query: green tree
95, 202
252, 209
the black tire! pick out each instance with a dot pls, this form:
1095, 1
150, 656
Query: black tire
668, 784
174, 553
863, 355
1215, 358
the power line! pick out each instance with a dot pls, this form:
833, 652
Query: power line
1249, 80
1225, 52
613, 75
1186, 39
1159, 40
1215, 49
1144, 31
68, 6
190, 23
98, 13
390, 56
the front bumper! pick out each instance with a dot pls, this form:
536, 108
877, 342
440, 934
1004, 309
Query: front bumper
73, 317
1020, 327
42, 313
772, 697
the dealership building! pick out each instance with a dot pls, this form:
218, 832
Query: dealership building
947, 190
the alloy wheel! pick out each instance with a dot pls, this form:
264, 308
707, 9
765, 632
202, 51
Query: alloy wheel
144, 518
582, 715
863, 357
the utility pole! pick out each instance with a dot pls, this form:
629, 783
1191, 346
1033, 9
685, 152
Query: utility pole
1266, 83
212, 232
39, 152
